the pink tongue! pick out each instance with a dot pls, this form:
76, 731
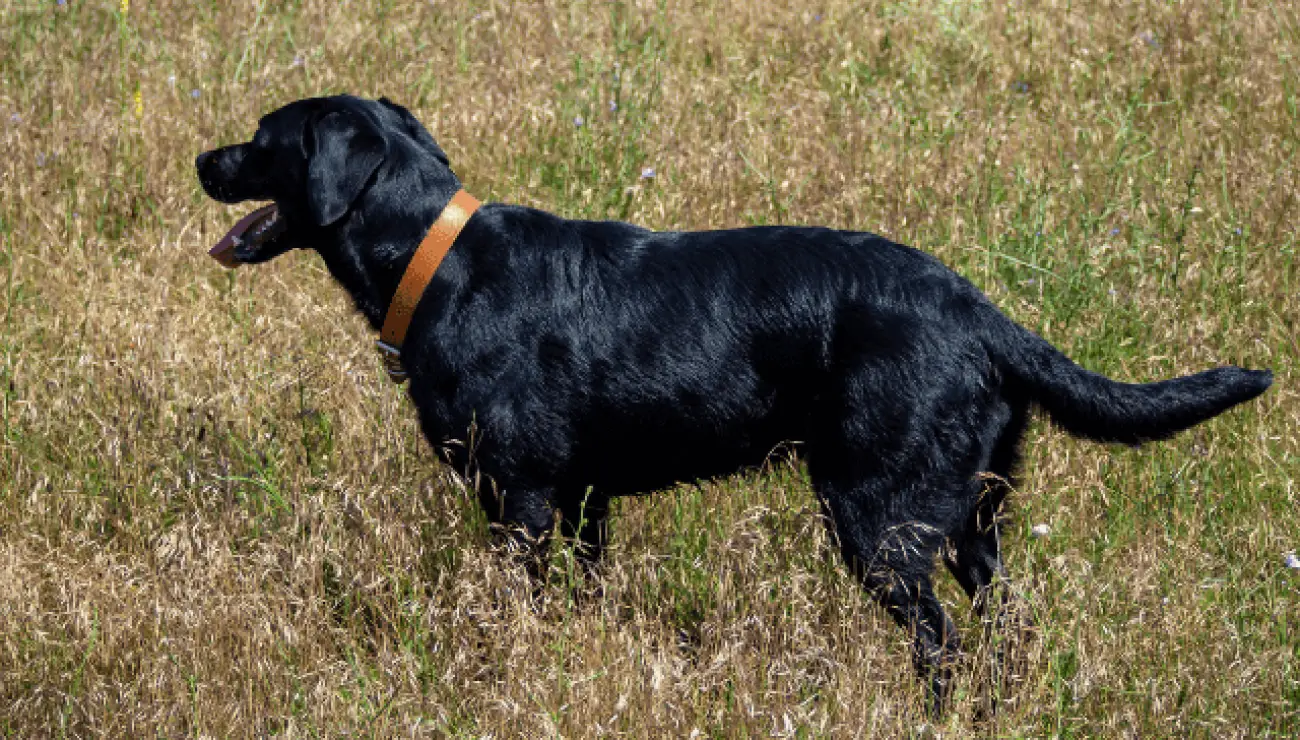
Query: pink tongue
224, 252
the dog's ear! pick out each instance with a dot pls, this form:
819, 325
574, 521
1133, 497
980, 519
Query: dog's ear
343, 151
417, 130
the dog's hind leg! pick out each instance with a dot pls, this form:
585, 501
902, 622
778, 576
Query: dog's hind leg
973, 555
904, 412
892, 555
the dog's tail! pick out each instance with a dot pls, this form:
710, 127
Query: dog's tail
1090, 405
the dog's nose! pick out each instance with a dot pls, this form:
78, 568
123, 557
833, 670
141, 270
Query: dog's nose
202, 160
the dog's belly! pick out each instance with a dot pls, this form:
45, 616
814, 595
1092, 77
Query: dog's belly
654, 448
640, 469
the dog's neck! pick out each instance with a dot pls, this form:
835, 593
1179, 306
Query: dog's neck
370, 273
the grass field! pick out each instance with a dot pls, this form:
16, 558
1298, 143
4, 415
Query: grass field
218, 518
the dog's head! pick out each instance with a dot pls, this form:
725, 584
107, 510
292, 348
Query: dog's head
314, 159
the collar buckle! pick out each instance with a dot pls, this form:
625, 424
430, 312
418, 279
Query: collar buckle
392, 359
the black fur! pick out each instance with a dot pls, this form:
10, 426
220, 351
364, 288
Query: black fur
601, 359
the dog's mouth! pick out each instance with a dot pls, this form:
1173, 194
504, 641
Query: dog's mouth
250, 238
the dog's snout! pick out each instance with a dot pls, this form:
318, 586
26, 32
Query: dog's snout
223, 176
208, 176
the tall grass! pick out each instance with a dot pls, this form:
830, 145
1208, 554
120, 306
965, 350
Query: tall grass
217, 518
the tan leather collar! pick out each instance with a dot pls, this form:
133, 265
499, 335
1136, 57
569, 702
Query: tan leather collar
423, 265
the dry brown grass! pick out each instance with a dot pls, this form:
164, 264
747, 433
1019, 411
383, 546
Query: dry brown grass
218, 519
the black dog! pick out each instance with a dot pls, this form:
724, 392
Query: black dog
600, 359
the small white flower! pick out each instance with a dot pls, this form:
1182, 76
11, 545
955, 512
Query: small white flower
1040, 530
647, 173
577, 121
1291, 561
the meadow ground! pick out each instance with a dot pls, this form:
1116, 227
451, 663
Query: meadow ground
217, 517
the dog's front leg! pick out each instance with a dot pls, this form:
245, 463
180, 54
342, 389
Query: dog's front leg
522, 524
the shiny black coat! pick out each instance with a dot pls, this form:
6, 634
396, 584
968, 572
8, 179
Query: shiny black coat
563, 362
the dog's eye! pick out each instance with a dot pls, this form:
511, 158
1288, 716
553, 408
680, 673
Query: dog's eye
262, 140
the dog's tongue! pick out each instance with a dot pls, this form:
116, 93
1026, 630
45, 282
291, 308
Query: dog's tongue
224, 252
